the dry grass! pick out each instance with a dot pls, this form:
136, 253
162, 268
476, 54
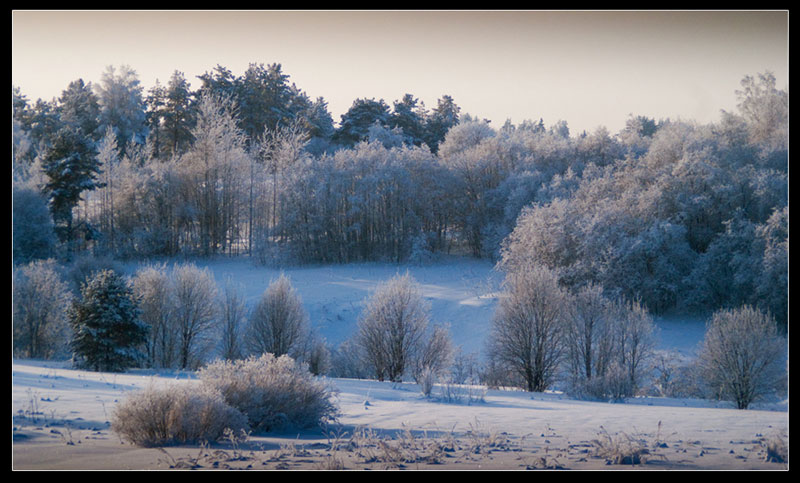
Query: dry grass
624, 449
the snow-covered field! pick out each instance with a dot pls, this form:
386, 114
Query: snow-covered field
61, 415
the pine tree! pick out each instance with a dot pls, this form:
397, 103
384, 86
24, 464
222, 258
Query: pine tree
71, 169
78, 107
107, 332
409, 115
178, 114
442, 118
154, 116
358, 119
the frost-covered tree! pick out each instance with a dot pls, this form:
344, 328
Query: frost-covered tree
393, 327
214, 171
122, 105
279, 324
589, 345
467, 153
319, 124
232, 319
195, 313
634, 335
40, 299
742, 357
107, 331
772, 282
108, 160
278, 149
152, 288
528, 327
765, 109
365, 203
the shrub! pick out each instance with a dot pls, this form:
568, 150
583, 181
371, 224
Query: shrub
272, 392
175, 414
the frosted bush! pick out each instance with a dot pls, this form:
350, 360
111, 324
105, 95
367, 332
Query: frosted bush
272, 392
175, 414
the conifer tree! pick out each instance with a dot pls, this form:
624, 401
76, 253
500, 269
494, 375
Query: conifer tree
107, 331
71, 169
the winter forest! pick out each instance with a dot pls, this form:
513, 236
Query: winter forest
662, 216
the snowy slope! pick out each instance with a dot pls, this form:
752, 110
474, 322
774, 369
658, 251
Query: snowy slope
462, 293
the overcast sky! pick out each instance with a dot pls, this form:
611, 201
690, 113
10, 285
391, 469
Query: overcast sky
588, 68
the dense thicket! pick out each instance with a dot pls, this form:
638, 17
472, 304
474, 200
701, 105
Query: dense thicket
672, 213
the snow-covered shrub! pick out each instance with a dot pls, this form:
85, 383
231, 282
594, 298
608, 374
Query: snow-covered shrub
175, 414
272, 392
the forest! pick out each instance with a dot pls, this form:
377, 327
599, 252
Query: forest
676, 214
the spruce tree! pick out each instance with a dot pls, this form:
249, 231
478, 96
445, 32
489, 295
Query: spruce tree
107, 331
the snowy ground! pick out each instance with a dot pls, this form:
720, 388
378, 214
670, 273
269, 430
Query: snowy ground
61, 415
61, 421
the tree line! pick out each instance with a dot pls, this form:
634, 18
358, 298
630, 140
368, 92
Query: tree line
674, 213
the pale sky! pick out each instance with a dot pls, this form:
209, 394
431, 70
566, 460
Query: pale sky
589, 68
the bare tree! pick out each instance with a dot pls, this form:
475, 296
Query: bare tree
278, 149
151, 285
528, 327
392, 327
588, 339
279, 323
233, 314
742, 357
634, 340
434, 355
195, 312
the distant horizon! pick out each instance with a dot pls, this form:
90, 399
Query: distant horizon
588, 68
